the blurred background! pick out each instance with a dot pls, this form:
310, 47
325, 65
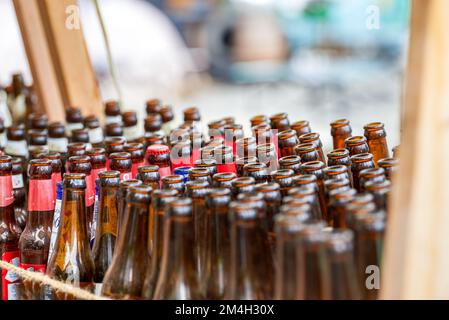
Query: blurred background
317, 60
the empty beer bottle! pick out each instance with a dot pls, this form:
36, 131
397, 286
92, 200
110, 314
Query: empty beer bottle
74, 120
259, 119
268, 155
336, 172
181, 155
137, 157
280, 122
301, 127
316, 168
377, 140
360, 162
340, 131
160, 201
217, 250
113, 130
57, 140
20, 194
122, 194
307, 152
9, 240
390, 165
284, 178
371, 174
258, 171
153, 106
338, 199
149, 175
112, 112
17, 144
246, 147
308, 194
122, 162
224, 180
339, 249
209, 164
192, 115
35, 239
381, 192
125, 277
71, 262
242, 185
288, 140
95, 132
131, 129
81, 135
167, 118
356, 145
292, 163
251, 267
153, 123
175, 182
241, 162
106, 231
56, 166
199, 174
113, 145
75, 149
273, 198
316, 140
98, 160
178, 278
233, 133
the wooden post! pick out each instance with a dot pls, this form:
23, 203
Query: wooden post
416, 262
58, 57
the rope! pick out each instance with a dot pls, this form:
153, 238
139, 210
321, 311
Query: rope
42, 279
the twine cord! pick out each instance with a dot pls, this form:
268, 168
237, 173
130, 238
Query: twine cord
42, 279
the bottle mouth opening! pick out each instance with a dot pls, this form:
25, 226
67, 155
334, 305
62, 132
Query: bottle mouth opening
301, 124
309, 137
363, 157
305, 147
130, 183
313, 165
224, 176
374, 126
338, 153
109, 174
340, 123
356, 140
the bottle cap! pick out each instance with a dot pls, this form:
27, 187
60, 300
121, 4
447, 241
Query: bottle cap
158, 149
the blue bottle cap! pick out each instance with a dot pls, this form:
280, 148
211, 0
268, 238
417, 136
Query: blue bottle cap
183, 171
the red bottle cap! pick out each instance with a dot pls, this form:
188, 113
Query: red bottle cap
157, 149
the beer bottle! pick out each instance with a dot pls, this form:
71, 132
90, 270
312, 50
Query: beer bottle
34, 152
18, 98
264, 135
153, 123
315, 139
178, 278
340, 157
131, 129
339, 250
258, 171
223, 180
381, 192
242, 185
200, 174
175, 182
75, 149
122, 193
112, 112
301, 127
56, 166
56, 221
17, 145
336, 172
280, 122
181, 155
113, 130
160, 201
340, 131
113, 145
338, 199
306, 193
37, 121
225, 159
371, 174
246, 147
149, 175
335, 184
390, 165
159, 155
98, 160
217, 251
20, 194
360, 162
356, 145
259, 119
272, 195
369, 238
9, 240
284, 178
57, 141
316, 168
71, 262
3, 138
233, 133
125, 277
267, 154
216, 129
73, 119
37, 138
361, 204
81, 135
241, 162
137, 156
197, 142
287, 142
106, 231
122, 162
35, 239
209, 164
153, 106
167, 118
251, 267
307, 152
377, 140
81, 164
94, 131
292, 163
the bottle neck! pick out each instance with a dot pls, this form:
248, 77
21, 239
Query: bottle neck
287, 278
107, 215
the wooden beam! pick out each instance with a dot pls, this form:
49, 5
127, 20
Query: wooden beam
64, 49
417, 255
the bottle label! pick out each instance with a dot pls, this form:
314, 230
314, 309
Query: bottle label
126, 176
73, 126
55, 227
132, 133
17, 181
165, 171
34, 267
58, 144
231, 167
135, 169
96, 135
10, 280
90, 191
40, 195
17, 148
6, 191
113, 119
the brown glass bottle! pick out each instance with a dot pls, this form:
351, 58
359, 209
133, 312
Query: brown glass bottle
153, 106
338, 199
113, 145
241, 162
167, 118
74, 149
181, 155
372, 174
233, 133
178, 278
216, 129
35, 238
149, 175
259, 119
81, 135
376, 137
336, 172
287, 140
356, 145
37, 121
113, 130
125, 277
292, 163
57, 140
306, 193
284, 178
121, 161
200, 174
106, 232
307, 152
360, 162
9, 241
20, 193
316, 140
340, 131
137, 156
280, 122
71, 261
217, 241
112, 112
223, 180
265, 135
209, 164
225, 159
81, 164
159, 155
73, 119
96, 137
340, 254
335, 184
301, 127
16, 145
267, 154
258, 171
242, 185
272, 195
153, 123
98, 160
251, 269
175, 182
390, 165
122, 193
131, 128
192, 115
246, 147
361, 204
381, 192
316, 168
